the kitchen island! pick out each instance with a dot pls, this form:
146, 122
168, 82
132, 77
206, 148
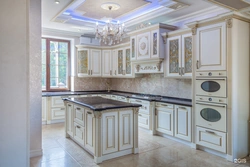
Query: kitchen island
105, 128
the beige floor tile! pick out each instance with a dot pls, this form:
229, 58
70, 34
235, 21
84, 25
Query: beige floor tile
154, 151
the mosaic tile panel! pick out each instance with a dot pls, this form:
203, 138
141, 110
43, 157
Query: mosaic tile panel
188, 54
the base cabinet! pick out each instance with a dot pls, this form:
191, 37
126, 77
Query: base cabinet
183, 122
89, 130
79, 133
210, 138
174, 120
164, 116
126, 129
110, 132
69, 121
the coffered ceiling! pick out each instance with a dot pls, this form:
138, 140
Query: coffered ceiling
79, 17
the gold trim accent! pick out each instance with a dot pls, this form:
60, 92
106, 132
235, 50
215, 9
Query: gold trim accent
194, 30
229, 23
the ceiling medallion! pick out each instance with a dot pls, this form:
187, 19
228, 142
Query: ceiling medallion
110, 6
111, 33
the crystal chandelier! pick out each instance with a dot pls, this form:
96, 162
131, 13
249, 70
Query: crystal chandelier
111, 33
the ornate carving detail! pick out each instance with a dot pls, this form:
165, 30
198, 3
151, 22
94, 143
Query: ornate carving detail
158, 65
142, 25
98, 114
137, 67
194, 30
164, 38
178, 5
229, 23
136, 110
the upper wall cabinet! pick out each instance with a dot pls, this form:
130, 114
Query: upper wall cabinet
88, 62
143, 46
179, 56
107, 63
211, 47
147, 50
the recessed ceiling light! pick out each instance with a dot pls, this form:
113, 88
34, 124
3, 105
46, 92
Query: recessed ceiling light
57, 1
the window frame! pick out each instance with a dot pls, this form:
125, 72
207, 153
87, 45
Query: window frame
48, 87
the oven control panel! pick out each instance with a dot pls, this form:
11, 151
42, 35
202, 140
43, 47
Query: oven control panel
211, 99
211, 74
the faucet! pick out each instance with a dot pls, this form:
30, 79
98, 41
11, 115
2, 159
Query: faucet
108, 86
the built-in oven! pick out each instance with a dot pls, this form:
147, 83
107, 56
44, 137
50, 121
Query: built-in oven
216, 87
211, 115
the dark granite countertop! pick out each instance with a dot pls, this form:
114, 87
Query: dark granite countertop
147, 97
100, 104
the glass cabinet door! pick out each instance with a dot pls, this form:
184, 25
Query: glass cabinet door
173, 56
120, 62
128, 63
187, 59
82, 62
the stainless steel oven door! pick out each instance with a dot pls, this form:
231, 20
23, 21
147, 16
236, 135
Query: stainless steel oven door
216, 87
211, 115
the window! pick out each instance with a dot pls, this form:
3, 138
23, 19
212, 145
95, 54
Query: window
55, 64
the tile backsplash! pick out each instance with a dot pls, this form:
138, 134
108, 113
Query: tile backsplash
155, 84
86, 84
148, 84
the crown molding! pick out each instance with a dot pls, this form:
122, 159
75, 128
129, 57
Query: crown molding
61, 32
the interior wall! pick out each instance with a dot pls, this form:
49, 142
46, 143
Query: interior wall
15, 81
155, 84
87, 84
35, 99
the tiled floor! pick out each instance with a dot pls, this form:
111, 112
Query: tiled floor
154, 151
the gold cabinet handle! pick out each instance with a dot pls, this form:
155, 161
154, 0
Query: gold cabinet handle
139, 115
179, 71
89, 112
69, 104
115, 72
91, 72
138, 101
110, 72
88, 72
183, 70
208, 131
78, 108
78, 126
197, 64
62, 108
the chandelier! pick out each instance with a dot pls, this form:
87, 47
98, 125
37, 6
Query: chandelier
111, 33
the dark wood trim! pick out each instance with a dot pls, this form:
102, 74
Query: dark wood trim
48, 88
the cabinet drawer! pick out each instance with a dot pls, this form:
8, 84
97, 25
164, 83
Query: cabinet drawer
57, 113
121, 98
57, 102
105, 96
143, 120
137, 101
164, 105
113, 97
211, 139
78, 133
79, 115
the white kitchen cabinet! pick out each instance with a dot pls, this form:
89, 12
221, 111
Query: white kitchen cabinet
44, 110
79, 115
164, 118
89, 130
179, 56
89, 62
125, 129
69, 121
133, 48
143, 46
79, 133
114, 63
211, 138
107, 63
110, 132
145, 113
211, 47
182, 122
123, 63
56, 110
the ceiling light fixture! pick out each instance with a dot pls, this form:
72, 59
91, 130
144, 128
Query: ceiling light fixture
57, 1
111, 33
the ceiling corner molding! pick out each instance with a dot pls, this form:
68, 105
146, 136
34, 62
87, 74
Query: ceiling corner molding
60, 32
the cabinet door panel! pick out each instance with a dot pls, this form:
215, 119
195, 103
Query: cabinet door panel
128, 68
106, 63
187, 46
83, 62
125, 130
211, 47
69, 119
79, 133
57, 102
183, 122
133, 49
120, 62
115, 62
110, 132
143, 46
57, 113
154, 43
79, 115
96, 62
173, 56
164, 121
89, 130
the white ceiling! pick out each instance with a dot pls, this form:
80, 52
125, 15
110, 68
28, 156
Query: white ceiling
79, 17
